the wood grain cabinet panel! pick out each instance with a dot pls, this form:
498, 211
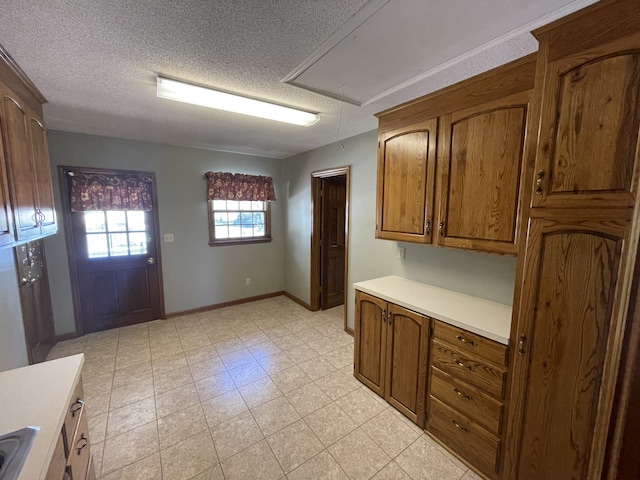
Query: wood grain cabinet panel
390, 351
406, 169
6, 216
42, 176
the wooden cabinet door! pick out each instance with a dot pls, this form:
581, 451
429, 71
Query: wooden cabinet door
587, 153
480, 162
6, 217
573, 274
406, 171
15, 131
44, 189
370, 339
406, 363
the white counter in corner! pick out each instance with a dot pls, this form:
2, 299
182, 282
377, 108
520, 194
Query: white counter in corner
484, 317
38, 396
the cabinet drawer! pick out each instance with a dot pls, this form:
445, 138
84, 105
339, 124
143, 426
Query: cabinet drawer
79, 448
484, 376
472, 442
73, 415
468, 400
58, 462
468, 342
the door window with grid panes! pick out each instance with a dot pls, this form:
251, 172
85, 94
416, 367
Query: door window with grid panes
115, 233
233, 222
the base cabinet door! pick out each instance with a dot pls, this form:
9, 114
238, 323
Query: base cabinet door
391, 353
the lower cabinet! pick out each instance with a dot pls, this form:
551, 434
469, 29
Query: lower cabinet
72, 457
391, 346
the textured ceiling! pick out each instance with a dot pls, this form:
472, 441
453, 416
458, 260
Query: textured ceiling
96, 62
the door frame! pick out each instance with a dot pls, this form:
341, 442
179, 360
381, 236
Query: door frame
316, 218
63, 175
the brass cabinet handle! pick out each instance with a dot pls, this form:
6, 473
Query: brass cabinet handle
464, 340
457, 425
390, 317
384, 316
76, 407
441, 228
427, 228
460, 364
523, 339
83, 442
461, 394
539, 180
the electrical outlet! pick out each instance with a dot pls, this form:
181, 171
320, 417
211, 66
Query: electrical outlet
247, 281
168, 238
401, 252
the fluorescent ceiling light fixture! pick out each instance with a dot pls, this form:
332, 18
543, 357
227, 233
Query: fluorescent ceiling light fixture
206, 97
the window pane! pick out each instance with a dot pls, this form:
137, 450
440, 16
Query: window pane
234, 231
234, 218
222, 231
258, 231
245, 205
136, 221
118, 244
219, 204
258, 218
94, 222
257, 206
247, 231
116, 221
97, 245
232, 205
221, 218
138, 243
246, 219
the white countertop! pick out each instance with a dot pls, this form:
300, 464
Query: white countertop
38, 396
484, 317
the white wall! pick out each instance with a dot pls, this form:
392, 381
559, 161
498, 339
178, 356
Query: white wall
484, 275
13, 346
195, 274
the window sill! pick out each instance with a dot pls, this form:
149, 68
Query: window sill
235, 241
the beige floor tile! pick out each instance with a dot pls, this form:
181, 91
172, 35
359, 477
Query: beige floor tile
264, 349
190, 457
206, 368
246, 374
289, 379
176, 399
132, 374
310, 334
97, 385
132, 357
439, 467
166, 349
181, 425
214, 473
237, 359
338, 384
294, 445
275, 415
358, 455
255, 338
92, 370
198, 341
96, 404
171, 380
96, 451
259, 392
289, 340
341, 357
215, 385
130, 417
194, 330
301, 353
255, 463
276, 332
235, 435
391, 472
361, 406
323, 345
148, 468
276, 362
223, 407
307, 399
129, 447
168, 363
200, 354
320, 467
317, 368
391, 433
98, 428
131, 393
330, 424
228, 345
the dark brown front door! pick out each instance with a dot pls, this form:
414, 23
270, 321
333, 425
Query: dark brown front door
332, 251
116, 268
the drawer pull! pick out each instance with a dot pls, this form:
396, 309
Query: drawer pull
461, 394
83, 442
76, 407
464, 340
460, 364
461, 427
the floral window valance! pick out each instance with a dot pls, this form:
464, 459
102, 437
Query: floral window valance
110, 192
237, 186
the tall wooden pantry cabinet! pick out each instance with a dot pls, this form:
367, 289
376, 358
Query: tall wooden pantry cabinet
574, 275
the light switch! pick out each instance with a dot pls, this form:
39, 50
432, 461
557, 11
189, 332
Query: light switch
168, 238
401, 252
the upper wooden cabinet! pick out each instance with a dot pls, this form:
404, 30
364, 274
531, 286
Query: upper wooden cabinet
449, 163
587, 153
406, 174
27, 198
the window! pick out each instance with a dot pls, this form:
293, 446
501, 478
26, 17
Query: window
115, 233
236, 222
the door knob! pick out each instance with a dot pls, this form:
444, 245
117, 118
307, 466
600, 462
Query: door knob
151, 260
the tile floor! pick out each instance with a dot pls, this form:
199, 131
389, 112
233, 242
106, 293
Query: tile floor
262, 390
